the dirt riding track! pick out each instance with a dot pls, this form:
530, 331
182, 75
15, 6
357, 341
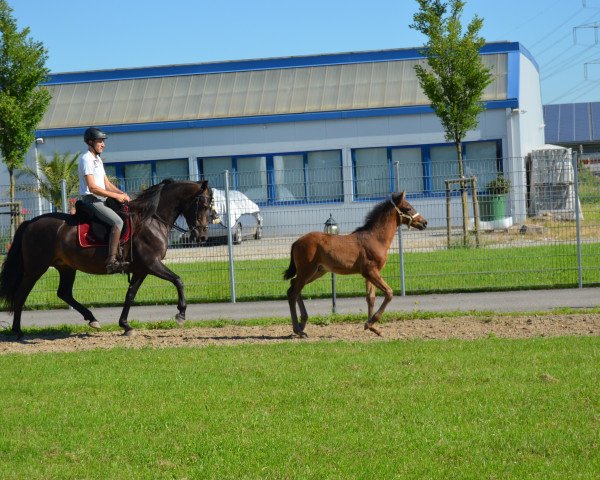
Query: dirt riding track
464, 327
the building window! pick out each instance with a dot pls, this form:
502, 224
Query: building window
324, 176
410, 169
371, 172
136, 176
251, 178
290, 181
212, 169
175, 169
482, 160
444, 166
421, 169
280, 178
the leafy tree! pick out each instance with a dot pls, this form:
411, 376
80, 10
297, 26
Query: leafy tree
49, 176
455, 77
22, 101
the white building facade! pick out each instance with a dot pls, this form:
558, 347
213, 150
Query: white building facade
299, 131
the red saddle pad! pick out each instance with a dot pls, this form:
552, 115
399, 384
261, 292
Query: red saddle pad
86, 239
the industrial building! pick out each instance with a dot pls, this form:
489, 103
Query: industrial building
297, 131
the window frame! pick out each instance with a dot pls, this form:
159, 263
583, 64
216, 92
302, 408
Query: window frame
426, 164
271, 183
120, 169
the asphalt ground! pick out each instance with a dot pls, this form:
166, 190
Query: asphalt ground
517, 301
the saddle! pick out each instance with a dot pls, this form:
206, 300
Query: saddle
91, 232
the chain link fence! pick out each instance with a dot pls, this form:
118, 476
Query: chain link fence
540, 230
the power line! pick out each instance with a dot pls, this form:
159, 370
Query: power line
571, 91
564, 36
545, 37
551, 45
594, 26
566, 64
556, 57
587, 91
544, 10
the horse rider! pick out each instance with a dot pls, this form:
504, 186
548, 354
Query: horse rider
95, 188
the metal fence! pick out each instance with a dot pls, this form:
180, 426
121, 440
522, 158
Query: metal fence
542, 233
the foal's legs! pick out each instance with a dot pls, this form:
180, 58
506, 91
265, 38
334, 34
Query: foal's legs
370, 298
374, 278
303, 313
65, 293
294, 295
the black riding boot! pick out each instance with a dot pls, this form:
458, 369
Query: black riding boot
112, 264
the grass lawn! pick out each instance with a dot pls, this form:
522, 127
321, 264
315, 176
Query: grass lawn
490, 408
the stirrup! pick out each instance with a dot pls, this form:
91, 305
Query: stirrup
117, 267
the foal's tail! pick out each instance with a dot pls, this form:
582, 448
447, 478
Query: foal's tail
12, 269
291, 270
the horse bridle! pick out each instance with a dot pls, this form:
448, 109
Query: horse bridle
196, 201
405, 215
207, 200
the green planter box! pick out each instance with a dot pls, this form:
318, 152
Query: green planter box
492, 207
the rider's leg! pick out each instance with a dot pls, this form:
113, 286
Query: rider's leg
112, 264
111, 218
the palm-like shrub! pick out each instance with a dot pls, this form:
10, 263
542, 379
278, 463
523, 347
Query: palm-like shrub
49, 175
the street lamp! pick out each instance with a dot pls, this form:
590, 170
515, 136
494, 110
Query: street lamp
331, 227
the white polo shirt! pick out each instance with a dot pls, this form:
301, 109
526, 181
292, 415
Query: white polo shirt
91, 165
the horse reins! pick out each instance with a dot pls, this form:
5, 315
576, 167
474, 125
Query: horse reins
177, 227
404, 215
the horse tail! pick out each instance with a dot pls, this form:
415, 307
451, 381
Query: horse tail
291, 270
11, 274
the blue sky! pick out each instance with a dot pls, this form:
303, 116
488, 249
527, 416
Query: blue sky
133, 33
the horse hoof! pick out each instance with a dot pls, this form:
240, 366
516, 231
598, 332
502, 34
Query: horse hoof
95, 324
180, 319
300, 334
18, 336
373, 329
129, 333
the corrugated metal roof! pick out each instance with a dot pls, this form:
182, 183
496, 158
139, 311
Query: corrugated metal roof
238, 94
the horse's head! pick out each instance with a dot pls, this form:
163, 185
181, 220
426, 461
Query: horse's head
200, 212
406, 212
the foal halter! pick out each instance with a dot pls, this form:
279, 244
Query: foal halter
405, 215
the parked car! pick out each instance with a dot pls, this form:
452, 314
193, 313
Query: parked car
244, 218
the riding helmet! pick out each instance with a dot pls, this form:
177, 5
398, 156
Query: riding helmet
93, 133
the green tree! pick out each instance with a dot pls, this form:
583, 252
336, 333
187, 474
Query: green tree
49, 175
455, 77
22, 101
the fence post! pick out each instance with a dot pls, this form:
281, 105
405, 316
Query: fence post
575, 161
400, 240
448, 212
475, 209
63, 191
229, 239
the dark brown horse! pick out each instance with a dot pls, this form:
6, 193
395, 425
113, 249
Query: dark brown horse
51, 240
364, 251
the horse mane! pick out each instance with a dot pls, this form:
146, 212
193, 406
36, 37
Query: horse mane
374, 216
146, 203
